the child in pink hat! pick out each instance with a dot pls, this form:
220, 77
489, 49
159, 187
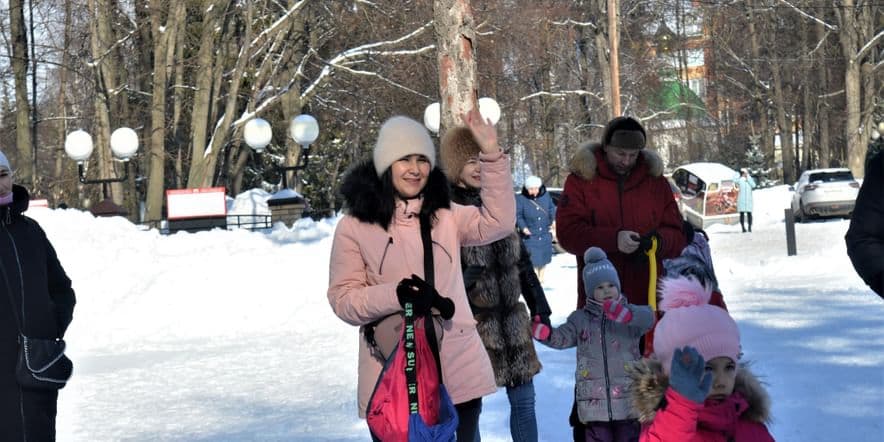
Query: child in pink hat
694, 389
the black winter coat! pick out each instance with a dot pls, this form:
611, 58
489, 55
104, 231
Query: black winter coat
495, 275
865, 237
31, 279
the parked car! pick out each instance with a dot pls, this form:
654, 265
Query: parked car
824, 192
676, 193
708, 193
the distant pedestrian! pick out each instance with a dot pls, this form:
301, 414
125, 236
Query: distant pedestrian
535, 215
744, 201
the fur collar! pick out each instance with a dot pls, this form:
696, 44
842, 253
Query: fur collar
649, 385
371, 199
585, 164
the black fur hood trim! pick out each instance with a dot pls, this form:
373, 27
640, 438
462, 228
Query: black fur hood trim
372, 200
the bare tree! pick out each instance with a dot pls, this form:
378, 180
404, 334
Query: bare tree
20, 60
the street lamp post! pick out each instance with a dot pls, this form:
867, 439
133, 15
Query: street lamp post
285, 205
78, 146
303, 129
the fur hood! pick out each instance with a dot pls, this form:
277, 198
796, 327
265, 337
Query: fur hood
372, 200
649, 388
585, 164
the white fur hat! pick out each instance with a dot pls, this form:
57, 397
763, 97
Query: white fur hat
399, 137
4, 162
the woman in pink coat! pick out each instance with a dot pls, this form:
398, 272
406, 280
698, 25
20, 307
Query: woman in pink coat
377, 247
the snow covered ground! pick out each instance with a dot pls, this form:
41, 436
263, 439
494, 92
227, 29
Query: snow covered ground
227, 335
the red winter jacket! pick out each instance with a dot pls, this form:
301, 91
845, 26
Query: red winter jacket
596, 204
688, 421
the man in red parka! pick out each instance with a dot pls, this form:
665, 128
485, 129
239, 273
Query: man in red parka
615, 195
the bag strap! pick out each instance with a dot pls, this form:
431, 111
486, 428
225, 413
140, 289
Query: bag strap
429, 324
429, 276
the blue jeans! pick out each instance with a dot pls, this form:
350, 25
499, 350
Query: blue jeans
523, 423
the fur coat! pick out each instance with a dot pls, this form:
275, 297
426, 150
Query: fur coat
502, 319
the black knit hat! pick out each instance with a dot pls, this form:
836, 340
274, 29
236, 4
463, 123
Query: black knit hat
625, 133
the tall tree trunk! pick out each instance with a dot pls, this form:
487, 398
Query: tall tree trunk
602, 46
759, 94
291, 102
822, 106
24, 143
164, 50
855, 23
456, 55
60, 193
784, 121
105, 76
200, 174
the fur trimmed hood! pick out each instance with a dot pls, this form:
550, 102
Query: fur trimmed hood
649, 385
584, 163
372, 200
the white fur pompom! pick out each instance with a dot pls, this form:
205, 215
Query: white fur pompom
682, 291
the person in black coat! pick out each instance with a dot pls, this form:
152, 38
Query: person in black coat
496, 276
865, 237
36, 286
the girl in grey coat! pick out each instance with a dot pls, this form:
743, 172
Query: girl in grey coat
606, 333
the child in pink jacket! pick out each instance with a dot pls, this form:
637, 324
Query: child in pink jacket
695, 389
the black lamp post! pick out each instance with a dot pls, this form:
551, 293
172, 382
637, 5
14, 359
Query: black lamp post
303, 129
78, 146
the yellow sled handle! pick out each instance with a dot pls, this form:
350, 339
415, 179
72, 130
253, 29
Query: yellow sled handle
652, 284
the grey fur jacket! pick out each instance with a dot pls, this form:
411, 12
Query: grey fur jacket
496, 276
604, 349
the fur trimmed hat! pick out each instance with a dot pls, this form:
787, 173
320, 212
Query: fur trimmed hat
458, 146
4, 163
625, 133
691, 320
597, 270
399, 137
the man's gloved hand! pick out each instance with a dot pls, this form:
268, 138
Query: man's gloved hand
627, 241
422, 297
688, 374
540, 329
617, 312
471, 274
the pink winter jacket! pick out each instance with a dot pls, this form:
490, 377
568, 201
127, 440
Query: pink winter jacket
368, 262
688, 421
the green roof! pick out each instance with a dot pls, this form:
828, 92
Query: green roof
676, 97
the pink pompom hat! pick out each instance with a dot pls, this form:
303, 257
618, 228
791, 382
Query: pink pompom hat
689, 319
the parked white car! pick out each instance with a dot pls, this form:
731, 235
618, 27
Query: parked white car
824, 192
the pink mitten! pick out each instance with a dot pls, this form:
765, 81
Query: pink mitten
539, 330
617, 312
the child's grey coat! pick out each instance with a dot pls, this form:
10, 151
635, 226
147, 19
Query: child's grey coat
604, 348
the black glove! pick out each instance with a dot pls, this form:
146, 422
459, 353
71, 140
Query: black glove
471, 274
646, 242
422, 297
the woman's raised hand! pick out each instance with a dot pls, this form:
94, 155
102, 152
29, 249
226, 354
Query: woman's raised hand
483, 131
